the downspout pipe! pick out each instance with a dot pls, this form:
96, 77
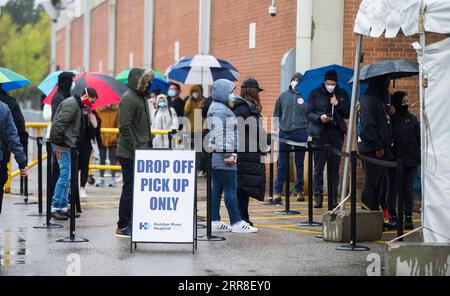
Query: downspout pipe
304, 35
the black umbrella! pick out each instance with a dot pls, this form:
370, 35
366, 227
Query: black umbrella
396, 69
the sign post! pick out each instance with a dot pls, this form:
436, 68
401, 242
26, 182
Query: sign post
164, 197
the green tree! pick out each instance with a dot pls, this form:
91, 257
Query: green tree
22, 12
28, 53
8, 30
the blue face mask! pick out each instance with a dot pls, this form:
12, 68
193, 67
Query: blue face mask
172, 93
162, 105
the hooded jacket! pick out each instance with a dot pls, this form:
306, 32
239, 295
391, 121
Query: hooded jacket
163, 119
65, 80
291, 111
66, 125
109, 117
192, 105
19, 120
134, 119
222, 125
9, 139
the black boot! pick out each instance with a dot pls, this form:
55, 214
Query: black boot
318, 202
392, 224
409, 224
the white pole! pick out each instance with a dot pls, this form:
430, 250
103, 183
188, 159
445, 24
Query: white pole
304, 35
53, 48
204, 34
68, 43
148, 34
112, 37
351, 135
87, 36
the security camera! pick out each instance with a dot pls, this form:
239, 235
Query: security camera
273, 10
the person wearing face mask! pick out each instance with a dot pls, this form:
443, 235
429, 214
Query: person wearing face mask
65, 133
406, 136
176, 102
193, 108
134, 133
327, 109
290, 109
374, 138
163, 118
222, 124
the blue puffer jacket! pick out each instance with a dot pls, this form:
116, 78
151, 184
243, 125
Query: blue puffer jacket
9, 136
222, 124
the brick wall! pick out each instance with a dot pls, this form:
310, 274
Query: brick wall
274, 37
76, 46
174, 21
61, 48
130, 33
99, 38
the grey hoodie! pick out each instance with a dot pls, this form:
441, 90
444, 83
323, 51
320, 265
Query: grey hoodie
222, 124
291, 111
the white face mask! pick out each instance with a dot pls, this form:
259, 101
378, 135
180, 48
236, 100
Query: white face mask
294, 84
195, 95
330, 88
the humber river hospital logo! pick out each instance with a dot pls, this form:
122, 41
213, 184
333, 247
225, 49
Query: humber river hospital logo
145, 226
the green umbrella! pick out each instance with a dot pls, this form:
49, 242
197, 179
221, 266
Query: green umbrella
10, 80
123, 76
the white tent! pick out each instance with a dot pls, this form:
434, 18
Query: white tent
411, 17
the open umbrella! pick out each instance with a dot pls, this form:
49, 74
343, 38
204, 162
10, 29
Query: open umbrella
202, 69
123, 76
50, 82
10, 80
314, 78
109, 90
396, 69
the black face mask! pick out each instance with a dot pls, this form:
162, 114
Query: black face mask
404, 109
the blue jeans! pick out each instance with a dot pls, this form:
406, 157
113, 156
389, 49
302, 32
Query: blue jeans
300, 137
61, 195
225, 182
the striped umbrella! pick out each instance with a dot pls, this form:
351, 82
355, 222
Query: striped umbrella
50, 82
10, 80
202, 69
109, 90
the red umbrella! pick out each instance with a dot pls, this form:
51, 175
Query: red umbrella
109, 90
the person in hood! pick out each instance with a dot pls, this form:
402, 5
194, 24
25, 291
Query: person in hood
406, 136
290, 110
374, 138
251, 164
65, 134
19, 123
9, 141
65, 84
164, 118
134, 134
222, 124
327, 108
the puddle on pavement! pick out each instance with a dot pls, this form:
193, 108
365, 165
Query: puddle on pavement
13, 248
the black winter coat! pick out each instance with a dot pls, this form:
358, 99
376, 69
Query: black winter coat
319, 104
406, 136
19, 120
251, 166
374, 134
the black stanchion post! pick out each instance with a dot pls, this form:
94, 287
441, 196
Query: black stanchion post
271, 201
353, 246
310, 190
287, 210
73, 192
209, 236
50, 191
24, 186
329, 178
39, 156
400, 204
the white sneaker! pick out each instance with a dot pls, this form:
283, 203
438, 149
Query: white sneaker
218, 226
243, 227
83, 193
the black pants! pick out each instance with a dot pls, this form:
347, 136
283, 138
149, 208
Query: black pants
112, 159
243, 202
407, 183
3, 179
373, 177
84, 159
320, 159
126, 199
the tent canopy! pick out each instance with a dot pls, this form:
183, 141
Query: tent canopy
386, 16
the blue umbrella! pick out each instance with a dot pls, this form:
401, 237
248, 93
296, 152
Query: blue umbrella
50, 82
10, 80
159, 84
202, 69
315, 78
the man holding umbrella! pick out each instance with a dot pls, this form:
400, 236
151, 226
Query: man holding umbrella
327, 109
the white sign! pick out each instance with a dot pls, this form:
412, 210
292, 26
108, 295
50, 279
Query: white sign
164, 196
